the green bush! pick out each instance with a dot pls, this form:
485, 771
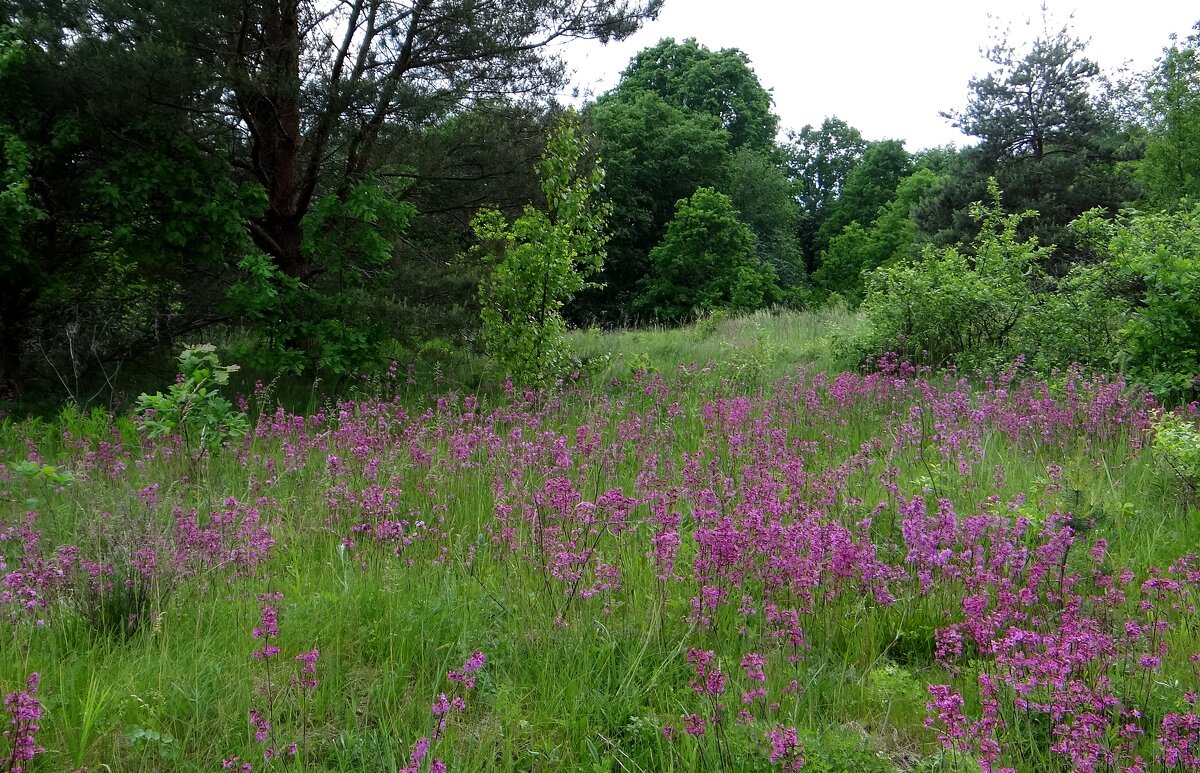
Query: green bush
329, 322
1177, 442
1137, 309
1078, 318
950, 307
1159, 253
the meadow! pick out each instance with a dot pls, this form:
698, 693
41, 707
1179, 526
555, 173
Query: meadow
761, 563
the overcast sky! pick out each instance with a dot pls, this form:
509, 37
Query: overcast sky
885, 67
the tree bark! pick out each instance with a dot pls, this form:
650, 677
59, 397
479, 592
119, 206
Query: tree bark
270, 101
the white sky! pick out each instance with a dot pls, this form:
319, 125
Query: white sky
887, 68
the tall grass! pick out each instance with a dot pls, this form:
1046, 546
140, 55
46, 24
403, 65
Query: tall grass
618, 549
760, 347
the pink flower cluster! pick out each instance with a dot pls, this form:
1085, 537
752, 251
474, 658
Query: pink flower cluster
275, 694
443, 706
24, 723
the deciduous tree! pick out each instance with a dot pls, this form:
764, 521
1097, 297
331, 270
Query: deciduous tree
654, 155
820, 159
540, 260
705, 262
1170, 171
721, 83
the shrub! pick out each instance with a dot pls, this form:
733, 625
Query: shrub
1079, 318
1177, 442
986, 305
193, 405
706, 262
951, 307
1160, 253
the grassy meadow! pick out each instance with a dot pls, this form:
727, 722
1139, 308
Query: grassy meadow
714, 550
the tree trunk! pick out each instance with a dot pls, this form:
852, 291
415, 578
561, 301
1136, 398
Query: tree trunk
270, 100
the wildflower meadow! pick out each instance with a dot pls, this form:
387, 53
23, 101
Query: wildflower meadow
671, 569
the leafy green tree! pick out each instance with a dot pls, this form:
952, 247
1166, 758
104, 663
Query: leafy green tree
843, 262
540, 260
1170, 171
117, 222
654, 155
870, 185
820, 160
318, 92
893, 235
18, 213
721, 83
1160, 252
765, 199
685, 117
705, 262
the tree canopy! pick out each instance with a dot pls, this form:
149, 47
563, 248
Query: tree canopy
718, 83
1048, 134
1035, 103
1170, 172
255, 153
684, 117
706, 261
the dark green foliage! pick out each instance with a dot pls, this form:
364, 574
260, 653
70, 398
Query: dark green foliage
820, 160
765, 200
117, 223
705, 262
116, 606
1170, 171
155, 154
325, 321
870, 185
891, 235
943, 214
1048, 134
654, 155
486, 154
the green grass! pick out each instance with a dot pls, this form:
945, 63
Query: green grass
757, 348
571, 683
